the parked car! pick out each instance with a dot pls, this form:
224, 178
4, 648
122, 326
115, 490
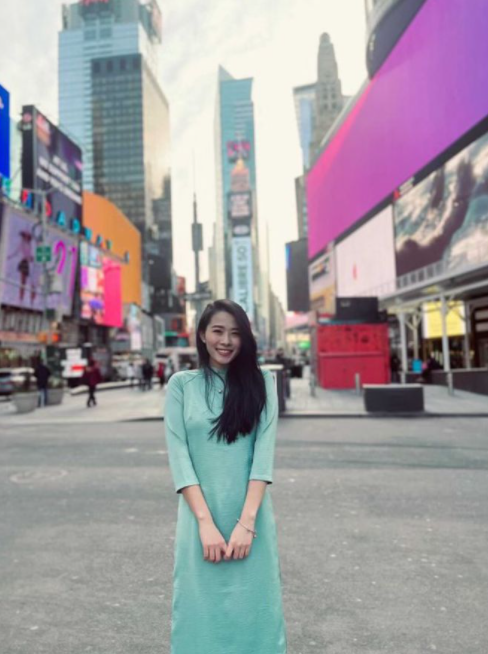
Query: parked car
12, 379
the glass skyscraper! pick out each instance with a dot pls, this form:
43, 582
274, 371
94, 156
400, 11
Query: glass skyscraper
236, 245
110, 100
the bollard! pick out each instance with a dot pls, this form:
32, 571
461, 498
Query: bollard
450, 383
312, 384
357, 382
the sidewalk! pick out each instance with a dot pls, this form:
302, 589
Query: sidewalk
349, 404
117, 405
123, 404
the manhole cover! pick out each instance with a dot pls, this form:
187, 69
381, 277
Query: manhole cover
30, 476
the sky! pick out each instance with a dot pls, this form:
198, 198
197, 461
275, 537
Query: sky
275, 43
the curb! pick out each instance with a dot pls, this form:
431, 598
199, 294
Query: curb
346, 416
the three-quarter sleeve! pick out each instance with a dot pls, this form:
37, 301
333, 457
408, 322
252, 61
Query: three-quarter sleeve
264, 447
180, 461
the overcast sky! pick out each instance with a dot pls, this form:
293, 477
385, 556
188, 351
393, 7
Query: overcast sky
274, 42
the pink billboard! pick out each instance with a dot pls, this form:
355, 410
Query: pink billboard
430, 91
101, 288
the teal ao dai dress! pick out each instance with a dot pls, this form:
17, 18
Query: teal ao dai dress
235, 606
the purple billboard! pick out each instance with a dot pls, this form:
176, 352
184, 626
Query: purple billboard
21, 276
430, 91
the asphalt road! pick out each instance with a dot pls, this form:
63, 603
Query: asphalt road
382, 526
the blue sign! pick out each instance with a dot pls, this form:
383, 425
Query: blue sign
4, 133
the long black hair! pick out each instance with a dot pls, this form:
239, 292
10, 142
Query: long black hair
245, 390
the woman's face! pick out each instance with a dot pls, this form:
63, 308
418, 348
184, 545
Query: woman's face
222, 339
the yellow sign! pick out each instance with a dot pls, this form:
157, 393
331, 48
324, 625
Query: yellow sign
432, 319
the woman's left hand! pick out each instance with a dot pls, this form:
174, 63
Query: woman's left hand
240, 543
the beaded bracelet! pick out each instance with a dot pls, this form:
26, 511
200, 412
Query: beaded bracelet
251, 530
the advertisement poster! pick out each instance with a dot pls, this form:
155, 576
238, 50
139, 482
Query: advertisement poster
101, 291
365, 260
22, 283
242, 274
4, 133
445, 217
322, 279
432, 319
51, 160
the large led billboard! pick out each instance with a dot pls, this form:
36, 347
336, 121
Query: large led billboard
444, 218
100, 287
4, 132
366, 259
22, 276
430, 92
51, 162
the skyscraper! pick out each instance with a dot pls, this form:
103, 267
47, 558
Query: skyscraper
236, 243
329, 100
111, 101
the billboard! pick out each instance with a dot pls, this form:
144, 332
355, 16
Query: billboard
297, 290
4, 133
322, 282
100, 287
94, 6
432, 319
240, 205
242, 275
51, 160
238, 150
444, 218
366, 259
430, 91
22, 277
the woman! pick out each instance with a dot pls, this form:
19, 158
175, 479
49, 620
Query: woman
220, 425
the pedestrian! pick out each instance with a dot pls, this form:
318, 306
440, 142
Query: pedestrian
131, 373
220, 424
169, 370
42, 374
139, 375
395, 368
160, 373
147, 373
91, 377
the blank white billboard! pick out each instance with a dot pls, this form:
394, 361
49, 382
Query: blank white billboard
365, 260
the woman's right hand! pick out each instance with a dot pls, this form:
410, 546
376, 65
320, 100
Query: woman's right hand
213, 543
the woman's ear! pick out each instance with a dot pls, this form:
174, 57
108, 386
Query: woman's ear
201, 337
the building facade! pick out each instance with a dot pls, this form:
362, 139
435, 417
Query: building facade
236, 241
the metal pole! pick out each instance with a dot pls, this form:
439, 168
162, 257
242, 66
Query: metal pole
467, 332
45, 280
403, 345
445, 339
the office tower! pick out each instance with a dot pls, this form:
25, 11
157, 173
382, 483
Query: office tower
236, 243
329, 100
111, 101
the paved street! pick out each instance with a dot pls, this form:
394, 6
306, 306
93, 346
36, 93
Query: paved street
382, 527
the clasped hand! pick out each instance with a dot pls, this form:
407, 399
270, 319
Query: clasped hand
215, 549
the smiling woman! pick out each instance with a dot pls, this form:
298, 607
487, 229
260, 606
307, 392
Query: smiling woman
221, 430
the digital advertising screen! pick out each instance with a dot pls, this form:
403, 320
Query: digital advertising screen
238, 150
21, 283
297, 291
365, 260
242, 274
430, 91
100, 287
240, 205
4, 133
322, 282
444, 218
51, 160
